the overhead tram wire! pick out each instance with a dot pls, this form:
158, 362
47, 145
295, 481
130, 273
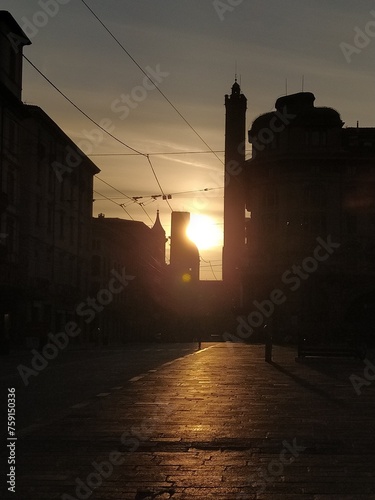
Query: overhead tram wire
210, 265
157, 180
151, 80
213, 272
126, 196
109, 199
81, 110
171, 194
99, 126
159, 154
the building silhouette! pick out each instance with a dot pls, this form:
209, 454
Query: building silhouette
56, 260
234, 192
184, 256
132, 249
46, 209
308, 185
12, 270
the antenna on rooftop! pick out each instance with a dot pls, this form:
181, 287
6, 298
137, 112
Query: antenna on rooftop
286, 86
303, 83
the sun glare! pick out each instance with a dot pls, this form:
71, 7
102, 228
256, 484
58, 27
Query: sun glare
204, 232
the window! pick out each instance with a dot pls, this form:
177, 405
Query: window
12, 133
38, 213
95, 265
39, 173
96, 244
62, 191
50, 218
62, 224
51, 178
71, 229
316, 138
11, 186
11, 235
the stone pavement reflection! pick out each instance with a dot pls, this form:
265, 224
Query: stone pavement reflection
219, 423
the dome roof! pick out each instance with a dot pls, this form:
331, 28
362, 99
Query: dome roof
297, 110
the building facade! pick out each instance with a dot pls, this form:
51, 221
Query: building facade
56, 221
46, 186
134, 254
310, 238
12, 114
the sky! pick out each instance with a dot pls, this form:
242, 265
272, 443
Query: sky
193, 49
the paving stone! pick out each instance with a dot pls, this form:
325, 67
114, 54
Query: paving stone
220, 423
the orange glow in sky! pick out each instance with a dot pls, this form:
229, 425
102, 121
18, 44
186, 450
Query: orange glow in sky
204, 232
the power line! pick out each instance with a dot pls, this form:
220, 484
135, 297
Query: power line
101, 128
210, 265
213, 272
154, 196
157, 180
159, 154
163, 154
126, 196
151, 80
81, 110
109, 199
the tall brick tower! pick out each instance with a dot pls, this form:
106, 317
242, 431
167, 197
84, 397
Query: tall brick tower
234, 196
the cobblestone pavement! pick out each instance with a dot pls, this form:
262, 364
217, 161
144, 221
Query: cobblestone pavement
216, 424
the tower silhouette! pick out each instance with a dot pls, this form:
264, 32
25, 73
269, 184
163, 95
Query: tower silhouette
234, 195
184, 257
159, 239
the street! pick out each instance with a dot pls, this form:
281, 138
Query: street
216, 423
76, 376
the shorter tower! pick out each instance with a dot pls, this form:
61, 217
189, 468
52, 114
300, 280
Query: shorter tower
184, 264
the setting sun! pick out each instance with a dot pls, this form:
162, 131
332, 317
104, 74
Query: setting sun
204, 232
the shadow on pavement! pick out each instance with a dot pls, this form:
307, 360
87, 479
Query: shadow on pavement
307, 385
